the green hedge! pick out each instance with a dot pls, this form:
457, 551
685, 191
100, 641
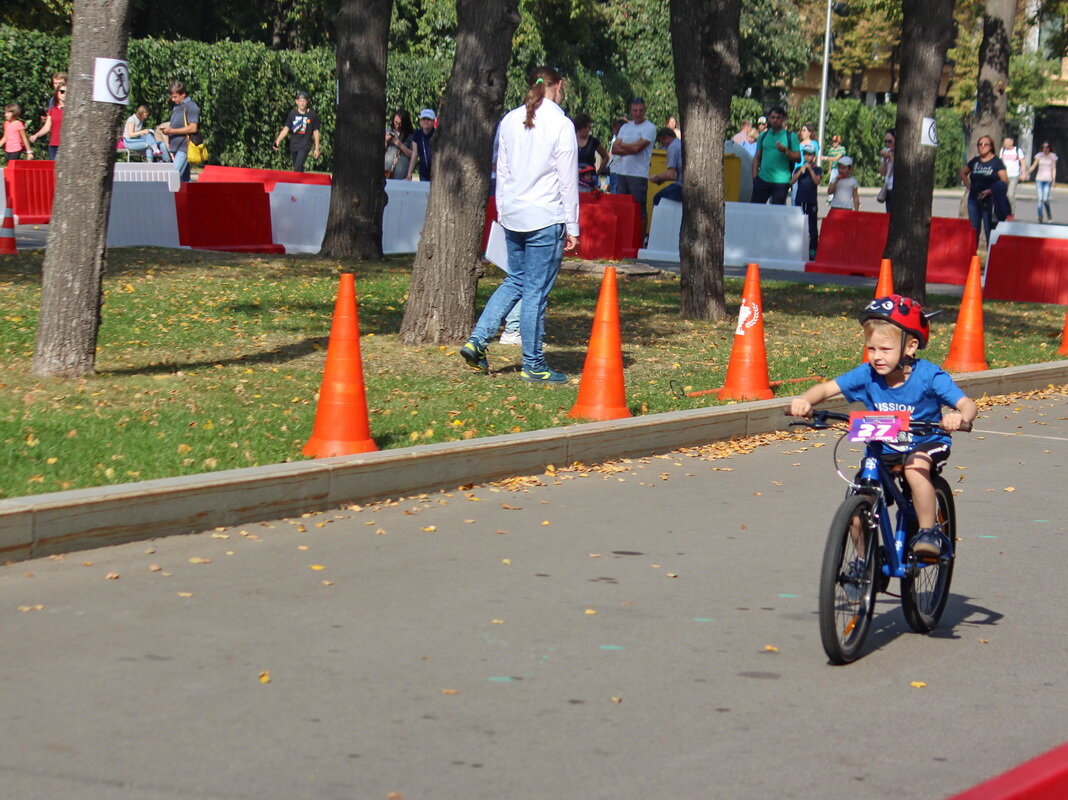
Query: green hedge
245, 89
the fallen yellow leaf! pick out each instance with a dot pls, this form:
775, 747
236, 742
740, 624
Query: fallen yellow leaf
430, 528
265, 676
317, 567
770, 648
1010, 488
918, 685
199, 560
112, 576
185, 594
450, 691
506, 561
591, 611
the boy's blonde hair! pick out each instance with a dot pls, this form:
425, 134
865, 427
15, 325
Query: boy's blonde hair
874, 324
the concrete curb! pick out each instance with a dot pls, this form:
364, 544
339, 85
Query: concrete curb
31, 527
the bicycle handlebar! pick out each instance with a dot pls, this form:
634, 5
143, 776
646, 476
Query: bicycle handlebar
821, 419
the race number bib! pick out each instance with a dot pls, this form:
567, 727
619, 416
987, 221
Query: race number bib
878, 426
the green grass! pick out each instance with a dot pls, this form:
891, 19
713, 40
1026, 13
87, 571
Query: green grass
212, 361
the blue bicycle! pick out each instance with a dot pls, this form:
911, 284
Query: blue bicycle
866, 547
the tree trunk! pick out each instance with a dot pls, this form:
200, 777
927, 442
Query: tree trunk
991, 101
925, 35
358, 195
704, 37
441, 299
75, 258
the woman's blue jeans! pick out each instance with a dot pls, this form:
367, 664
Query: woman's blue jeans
533, 262
1043, 198
144, 144
981, 214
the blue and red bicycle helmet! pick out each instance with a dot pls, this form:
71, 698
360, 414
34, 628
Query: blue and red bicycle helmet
904, 312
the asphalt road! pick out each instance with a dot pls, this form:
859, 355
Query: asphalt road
642, 630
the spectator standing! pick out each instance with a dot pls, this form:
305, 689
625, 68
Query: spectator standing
1015, 162
807, 143
399, 148
421, 144
15, 138
58, 79
673, 123
613, 160
184, 122
303, 124
53, 125
886, 169
589, 148
762, 124
833, 153
537, 205
634, 146
666, 138
844, 190
1046, 164
777, 151
138, 139
742, 136
805, 180
750, 143
986, 199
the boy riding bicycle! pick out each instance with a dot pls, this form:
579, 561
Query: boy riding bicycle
895, 327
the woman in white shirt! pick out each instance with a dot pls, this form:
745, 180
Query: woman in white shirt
1046, 164
537, 205
138, 139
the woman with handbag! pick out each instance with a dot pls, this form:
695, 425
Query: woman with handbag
183, 127
399, 145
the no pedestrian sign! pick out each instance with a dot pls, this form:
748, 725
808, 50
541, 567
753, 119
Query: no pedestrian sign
111, 81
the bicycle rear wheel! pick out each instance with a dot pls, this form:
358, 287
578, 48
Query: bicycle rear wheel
847, 579
924, 592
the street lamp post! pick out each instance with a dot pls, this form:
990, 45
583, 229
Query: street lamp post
826, 65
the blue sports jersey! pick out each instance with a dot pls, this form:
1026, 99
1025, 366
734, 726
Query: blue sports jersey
927, 388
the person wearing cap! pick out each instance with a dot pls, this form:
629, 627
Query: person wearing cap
634, 146
303, 123
421, 142
844, 190
762, 124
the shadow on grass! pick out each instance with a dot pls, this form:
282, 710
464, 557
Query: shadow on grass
289, 352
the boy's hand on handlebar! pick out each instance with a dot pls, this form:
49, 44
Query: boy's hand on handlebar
953, 421
800, 407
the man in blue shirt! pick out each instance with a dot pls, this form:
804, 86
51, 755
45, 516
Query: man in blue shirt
666, 138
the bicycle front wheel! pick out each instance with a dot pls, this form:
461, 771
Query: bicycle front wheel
924, 592
847, 580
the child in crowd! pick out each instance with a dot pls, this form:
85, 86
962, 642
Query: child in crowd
844, 192
15, 139
805, 179
895, 327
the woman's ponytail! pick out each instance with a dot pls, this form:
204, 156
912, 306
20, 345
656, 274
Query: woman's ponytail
539, 79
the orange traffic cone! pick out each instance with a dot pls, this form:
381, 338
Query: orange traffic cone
747, 371
1063, 351
883, 287
341, 426
967, 351
7, 234
602, 393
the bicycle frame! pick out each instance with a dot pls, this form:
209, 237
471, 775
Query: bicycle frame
876, 478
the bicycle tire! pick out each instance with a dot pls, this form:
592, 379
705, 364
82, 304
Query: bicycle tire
924, 592
847, 597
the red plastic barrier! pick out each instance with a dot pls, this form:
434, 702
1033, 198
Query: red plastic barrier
232, 217
1028, 270
853, 242
1042, 778
268, 177
610, 226
949, 250
30, 187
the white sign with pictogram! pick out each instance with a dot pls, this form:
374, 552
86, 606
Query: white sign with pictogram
929, 133
111, 81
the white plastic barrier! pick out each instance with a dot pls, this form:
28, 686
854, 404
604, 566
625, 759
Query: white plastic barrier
141, 173
402, 220
298, 216
142, 215
745, 187
663, 242
1030, 229
775, 237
